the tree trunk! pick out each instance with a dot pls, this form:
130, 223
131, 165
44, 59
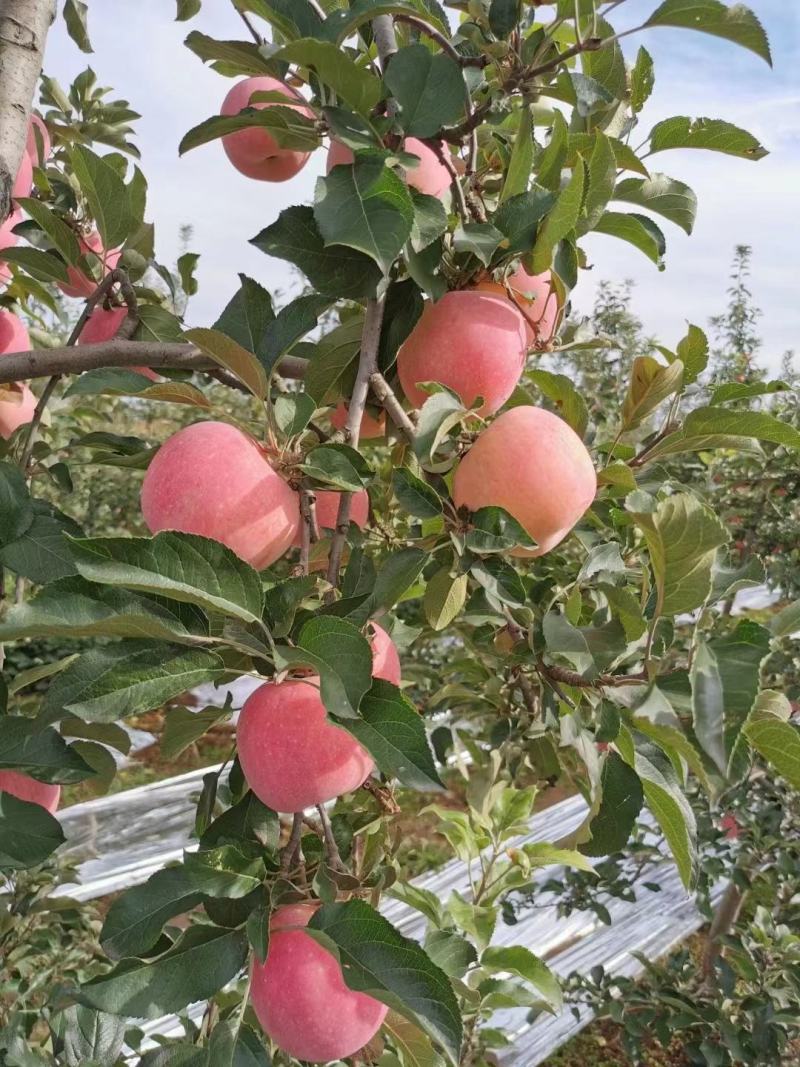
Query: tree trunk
23, 32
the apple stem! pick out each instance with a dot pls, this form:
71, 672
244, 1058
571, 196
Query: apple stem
291, 852
331, 848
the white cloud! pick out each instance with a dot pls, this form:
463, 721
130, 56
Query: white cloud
139, 51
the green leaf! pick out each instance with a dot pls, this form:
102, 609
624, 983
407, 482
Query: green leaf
428, 88
333, 270
338, 466
16, 510
479, 238
182, 727
75, 15
229, 354
664, 797
757, 424
60, 234
114, 681
247, 315
287, 126
501, 581
291, 18
736, 23
503, 17
336, 351
602, 176
621, 801
398, 572
665, 196
232, 1045
521, 961
650, 385
72, 607
44, 266
725, 682
106, 194
692, 351
376, 959
366, 207
583, 144
41, 752
637, 230
520, 165
187, 9
135, 920
430, 222
341, 655
340, 24
518, 218
178, 566
730, 392
568, 402
559, 221
229, 57
495, 530
353, 84
414, 495
711, 134
197, 966
28, 833
774, 737
392, 731
90, 1037
786, 621
187, 264
445, 597
42, 553
642, 80
552, 159
292, 322
682, 536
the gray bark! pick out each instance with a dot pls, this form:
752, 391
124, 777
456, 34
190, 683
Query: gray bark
23, 32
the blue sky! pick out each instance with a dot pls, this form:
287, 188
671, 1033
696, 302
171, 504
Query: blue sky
139, 51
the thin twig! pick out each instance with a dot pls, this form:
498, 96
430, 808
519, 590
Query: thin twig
309, 530
444, 157
367, 365
386, 395
251, 28
331, 848
291, 852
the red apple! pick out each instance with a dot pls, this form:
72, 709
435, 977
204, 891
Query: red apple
102, 325
211, 479
385, 658
23, 183
300, 997
7, 240
253, 151
291, 755
13, 334
38, 131
23, 787
327, 508
536, 295
534, 465
474, 343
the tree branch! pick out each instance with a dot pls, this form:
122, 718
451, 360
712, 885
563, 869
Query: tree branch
23, 32
384, 392
41, 363
367, 366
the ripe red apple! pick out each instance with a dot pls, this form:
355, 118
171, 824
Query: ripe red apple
38, 159
211, 479
23, 183
370, 427
23, 787
431, 176
13, 334
291, 755
536, 295
385, 658
80, 284
253, 151
534, 465
474, 343
17, 405
300, 997
102, 325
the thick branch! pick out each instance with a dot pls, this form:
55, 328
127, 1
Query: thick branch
23, 32
44, 362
